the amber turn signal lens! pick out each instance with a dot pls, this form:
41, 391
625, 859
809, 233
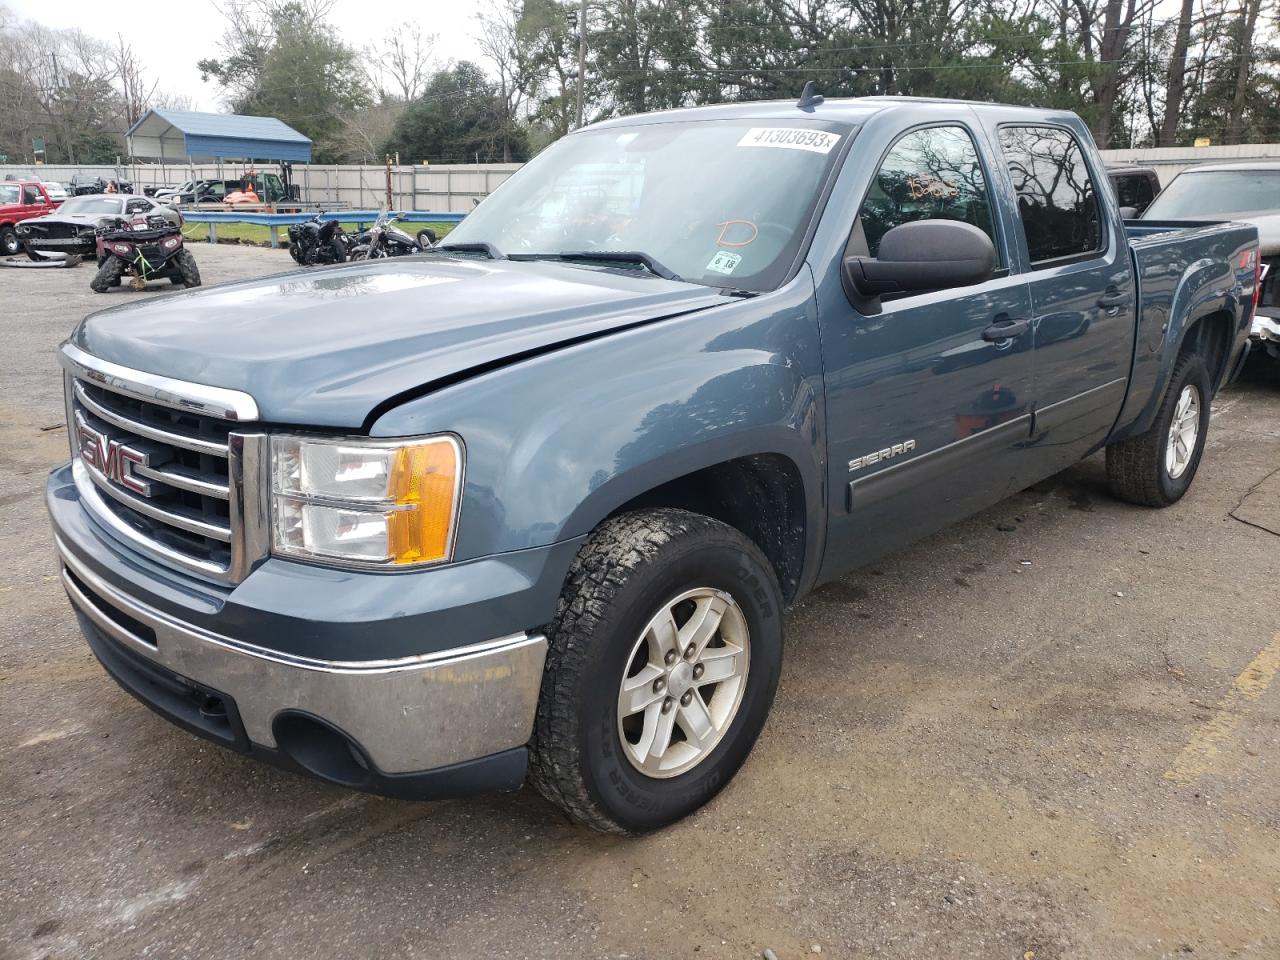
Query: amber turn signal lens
423, 482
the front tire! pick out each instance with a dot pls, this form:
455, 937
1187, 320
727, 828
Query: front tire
9, 242
661, 668
187, 268
1155, 469
108, 275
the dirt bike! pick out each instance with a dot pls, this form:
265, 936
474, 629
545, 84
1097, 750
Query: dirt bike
143, 249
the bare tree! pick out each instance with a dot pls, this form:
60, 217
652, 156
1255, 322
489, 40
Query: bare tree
137, 94
401, 62
502, 45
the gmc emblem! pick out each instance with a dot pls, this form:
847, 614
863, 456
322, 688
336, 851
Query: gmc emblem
112, 458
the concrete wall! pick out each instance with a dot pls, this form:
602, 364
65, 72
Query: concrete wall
441, 189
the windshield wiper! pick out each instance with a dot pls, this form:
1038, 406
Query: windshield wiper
478, 246
606, 256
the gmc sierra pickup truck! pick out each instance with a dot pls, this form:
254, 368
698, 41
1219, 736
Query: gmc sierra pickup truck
531, 505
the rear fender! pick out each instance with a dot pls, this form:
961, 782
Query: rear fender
1205, 287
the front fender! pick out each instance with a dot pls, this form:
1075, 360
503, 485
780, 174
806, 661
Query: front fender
556, 443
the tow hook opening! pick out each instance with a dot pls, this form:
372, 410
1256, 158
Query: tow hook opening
321, 748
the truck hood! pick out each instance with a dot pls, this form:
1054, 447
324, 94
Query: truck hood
324, 347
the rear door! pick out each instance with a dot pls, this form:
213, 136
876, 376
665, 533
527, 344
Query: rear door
1082, 294
925, 412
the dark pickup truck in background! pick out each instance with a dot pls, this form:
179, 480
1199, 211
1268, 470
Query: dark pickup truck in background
533, 503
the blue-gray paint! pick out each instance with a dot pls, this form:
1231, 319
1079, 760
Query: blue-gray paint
577, 388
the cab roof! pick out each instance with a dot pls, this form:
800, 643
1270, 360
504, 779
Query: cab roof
847, 110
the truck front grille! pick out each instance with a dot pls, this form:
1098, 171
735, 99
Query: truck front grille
183, 485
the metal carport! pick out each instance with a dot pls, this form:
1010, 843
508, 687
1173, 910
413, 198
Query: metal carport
185, 135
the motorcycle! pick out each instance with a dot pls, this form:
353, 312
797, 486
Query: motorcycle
385, 239
318, 241
144, 249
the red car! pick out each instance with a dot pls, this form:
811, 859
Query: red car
20, 200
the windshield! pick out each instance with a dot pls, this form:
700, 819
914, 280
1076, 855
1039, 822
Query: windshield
719, 203
1192, 195
9, 193
91, 205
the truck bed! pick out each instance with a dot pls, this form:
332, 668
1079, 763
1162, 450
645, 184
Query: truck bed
1181, 267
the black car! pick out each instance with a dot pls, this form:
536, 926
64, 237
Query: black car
71, 228
86, 183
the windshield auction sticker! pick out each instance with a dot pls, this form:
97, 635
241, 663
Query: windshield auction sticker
790, 138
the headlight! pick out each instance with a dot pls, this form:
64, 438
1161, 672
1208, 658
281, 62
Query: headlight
122, 248
171, 243
381, 503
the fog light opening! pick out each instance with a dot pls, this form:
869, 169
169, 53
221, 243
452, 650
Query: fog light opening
321, 748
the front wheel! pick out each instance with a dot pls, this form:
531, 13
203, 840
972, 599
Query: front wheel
1155, 469
108, 275
187, 268
661, 668
9, 242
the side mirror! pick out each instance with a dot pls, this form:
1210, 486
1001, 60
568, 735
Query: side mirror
924, 255
1128, 213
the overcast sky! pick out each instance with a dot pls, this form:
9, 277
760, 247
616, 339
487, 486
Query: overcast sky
152, 30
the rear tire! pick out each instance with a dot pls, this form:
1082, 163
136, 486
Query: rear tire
9, 242
631, 575
187, 268
108, 275
1155, 469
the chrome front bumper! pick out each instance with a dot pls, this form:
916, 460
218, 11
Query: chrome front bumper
407, 715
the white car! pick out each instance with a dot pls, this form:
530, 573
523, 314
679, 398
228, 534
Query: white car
1247, 192
56, 191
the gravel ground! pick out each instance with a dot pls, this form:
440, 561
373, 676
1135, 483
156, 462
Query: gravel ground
1044, 733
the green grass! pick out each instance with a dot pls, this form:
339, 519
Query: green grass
261, 235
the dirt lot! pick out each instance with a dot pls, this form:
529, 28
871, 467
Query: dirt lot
1049, 732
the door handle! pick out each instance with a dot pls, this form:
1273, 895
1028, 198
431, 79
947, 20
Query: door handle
1005, 330
1113, 298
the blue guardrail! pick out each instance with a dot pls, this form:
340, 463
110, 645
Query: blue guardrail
277, 220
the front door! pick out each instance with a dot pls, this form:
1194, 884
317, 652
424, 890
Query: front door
926, 409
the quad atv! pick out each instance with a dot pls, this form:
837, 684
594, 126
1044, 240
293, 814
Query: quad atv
143, 249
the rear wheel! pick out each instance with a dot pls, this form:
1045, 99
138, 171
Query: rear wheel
1155, 469
661, 668
9, 242
108, 275
187, 269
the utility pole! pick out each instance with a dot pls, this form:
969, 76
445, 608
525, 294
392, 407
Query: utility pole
388, 182
582, 56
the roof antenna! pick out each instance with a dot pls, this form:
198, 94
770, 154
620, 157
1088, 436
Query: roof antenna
809, 97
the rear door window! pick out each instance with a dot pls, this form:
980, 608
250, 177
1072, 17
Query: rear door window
1056, 197
929, 174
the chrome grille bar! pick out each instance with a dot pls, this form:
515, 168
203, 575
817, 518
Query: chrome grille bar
143, 506
185, 481
158, 434
202, 500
